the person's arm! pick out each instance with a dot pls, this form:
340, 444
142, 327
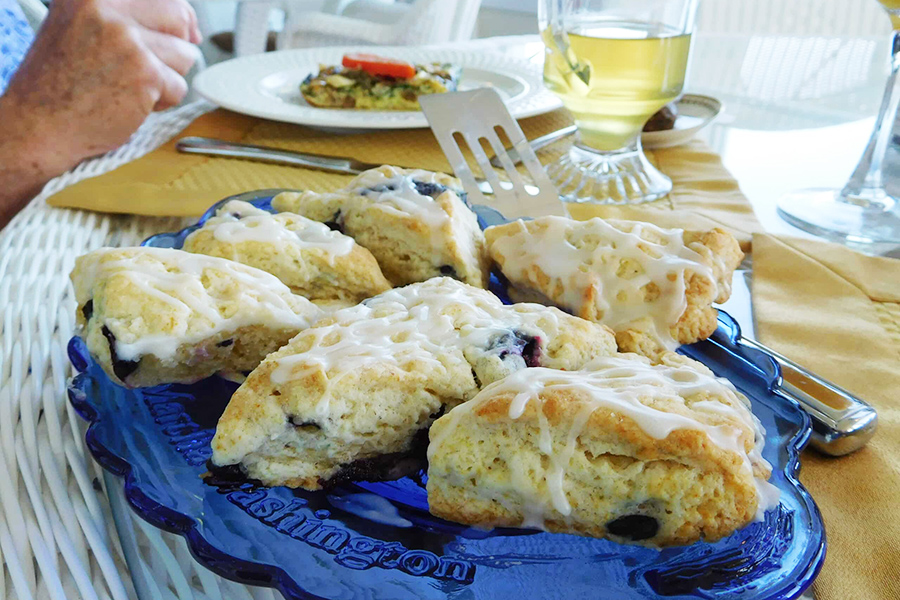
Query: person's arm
22, 172
96, 69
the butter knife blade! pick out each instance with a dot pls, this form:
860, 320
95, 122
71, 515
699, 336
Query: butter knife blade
331, 164
216, 147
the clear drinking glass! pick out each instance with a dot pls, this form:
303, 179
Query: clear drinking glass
864, 211
613, 63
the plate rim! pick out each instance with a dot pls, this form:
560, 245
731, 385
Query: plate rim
335, 119
669, 138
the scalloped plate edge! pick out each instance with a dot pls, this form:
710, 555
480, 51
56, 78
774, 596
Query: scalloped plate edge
206, 553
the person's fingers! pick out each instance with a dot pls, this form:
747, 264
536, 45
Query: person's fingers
196, 35
194, 29
172, 86
178, 54
175, 17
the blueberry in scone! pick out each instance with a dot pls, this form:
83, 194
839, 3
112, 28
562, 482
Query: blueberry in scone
659, 455
654, 287
307, 256
367, 381
414, 222
155, 315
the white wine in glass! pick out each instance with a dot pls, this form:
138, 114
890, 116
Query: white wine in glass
635, 69
614, 63
863, 212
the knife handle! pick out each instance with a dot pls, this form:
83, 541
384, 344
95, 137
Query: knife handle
214, 147
842, 422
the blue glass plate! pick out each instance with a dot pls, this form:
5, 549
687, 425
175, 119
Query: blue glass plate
377, 540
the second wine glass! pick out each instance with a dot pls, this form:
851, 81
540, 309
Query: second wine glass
614, 63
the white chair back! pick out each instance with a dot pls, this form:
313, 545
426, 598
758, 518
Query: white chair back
420, 22
793, 17
426, 22
251, 28
34, 12
464, 20
800, 59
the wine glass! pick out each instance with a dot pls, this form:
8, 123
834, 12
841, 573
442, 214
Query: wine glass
863, 212
614, 63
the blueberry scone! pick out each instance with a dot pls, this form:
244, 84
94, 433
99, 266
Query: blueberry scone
155, 315
311, 259
654, 287
353, 396
661, 454
413, 221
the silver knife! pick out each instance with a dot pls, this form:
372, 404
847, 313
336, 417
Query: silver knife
842, 423
347, 166
536, 144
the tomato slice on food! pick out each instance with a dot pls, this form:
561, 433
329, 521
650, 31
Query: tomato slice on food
379, 65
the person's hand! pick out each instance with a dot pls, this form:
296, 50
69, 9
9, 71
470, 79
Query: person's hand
96, 70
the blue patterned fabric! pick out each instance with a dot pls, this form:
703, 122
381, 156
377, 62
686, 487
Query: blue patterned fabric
15, 38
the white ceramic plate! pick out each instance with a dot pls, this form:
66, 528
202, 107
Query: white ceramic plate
268, 85
694, 113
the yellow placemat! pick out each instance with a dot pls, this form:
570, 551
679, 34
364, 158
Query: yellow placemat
837, 312
167, 183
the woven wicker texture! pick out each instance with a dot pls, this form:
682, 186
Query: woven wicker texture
57, 534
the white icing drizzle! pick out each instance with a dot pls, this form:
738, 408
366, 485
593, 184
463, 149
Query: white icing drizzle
404, 199
176, 278
420, 321
621, 385
574, 270
255, 225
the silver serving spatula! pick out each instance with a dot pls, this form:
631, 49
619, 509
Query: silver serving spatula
473, 119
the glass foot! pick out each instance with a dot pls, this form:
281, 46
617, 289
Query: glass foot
623, 177
824, 213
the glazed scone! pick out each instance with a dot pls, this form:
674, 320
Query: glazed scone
660, 454
307, 256
157, 315
413, 221
654, 287
353, 396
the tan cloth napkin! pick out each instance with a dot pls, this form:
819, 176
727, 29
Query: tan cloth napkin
837, 312
167, 183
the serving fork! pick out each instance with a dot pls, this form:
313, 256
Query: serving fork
473, 121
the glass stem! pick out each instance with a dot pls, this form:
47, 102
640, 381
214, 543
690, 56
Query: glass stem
866, 186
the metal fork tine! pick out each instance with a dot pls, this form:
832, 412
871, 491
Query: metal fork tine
527, 204
474, 115
501, 194
534, 167
506, 162
461, 169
